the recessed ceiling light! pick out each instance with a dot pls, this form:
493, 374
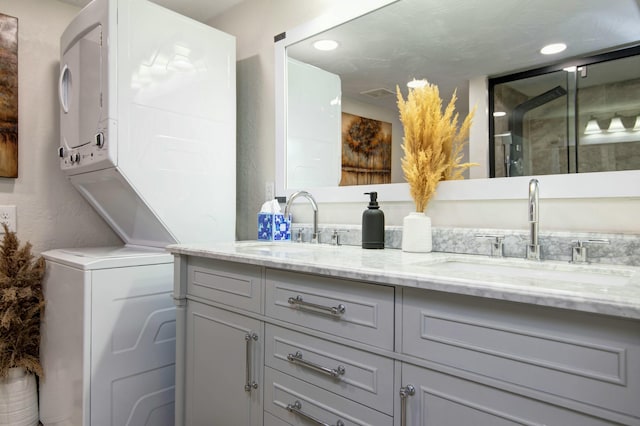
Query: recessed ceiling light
499, 114
551, 49
414, 84
325, 45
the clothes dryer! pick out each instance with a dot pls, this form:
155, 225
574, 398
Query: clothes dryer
148, 121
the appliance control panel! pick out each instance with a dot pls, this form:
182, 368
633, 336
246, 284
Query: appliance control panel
91, 155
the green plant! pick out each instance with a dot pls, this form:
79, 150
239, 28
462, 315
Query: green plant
21, 305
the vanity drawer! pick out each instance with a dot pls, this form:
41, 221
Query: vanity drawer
368, 308
291, 399
233, 284
588, 358
358, 375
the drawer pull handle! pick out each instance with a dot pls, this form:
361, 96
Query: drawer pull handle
333, 372
333, 310
406, 391
296, 408
250, 384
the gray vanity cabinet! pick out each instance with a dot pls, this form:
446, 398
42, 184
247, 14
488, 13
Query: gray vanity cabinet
439, 399
220, 358
578, 362
224, 367
261, 346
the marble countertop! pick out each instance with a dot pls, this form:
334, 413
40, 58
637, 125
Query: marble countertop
605, 289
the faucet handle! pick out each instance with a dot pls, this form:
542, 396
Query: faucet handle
579, 252
335, 237
497, 243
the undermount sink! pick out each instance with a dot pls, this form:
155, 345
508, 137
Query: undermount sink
532, 272
283, 248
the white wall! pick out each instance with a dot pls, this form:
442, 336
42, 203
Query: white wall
254, 23
51, 213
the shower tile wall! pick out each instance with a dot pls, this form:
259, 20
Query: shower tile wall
622, 97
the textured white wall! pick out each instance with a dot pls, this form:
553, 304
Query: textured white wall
51, 213
254, 23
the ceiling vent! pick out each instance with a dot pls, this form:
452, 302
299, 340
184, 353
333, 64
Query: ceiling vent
378, 93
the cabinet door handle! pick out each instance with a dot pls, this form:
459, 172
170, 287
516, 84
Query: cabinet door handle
333, 310
250, 384
406, 391
333, 372
296, 408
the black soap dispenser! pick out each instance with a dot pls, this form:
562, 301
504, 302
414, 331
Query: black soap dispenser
373, 224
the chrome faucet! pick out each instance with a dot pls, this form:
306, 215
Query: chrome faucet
533, 248
314, 205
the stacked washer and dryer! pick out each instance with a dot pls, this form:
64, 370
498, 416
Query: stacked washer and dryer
147, 122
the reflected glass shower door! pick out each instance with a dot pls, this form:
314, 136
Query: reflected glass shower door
572, 120
532, 124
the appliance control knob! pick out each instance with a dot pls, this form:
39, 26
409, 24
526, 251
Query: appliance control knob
100, 140
61, 152
75, 158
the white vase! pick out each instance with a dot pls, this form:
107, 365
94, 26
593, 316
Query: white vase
18, 399
416, 233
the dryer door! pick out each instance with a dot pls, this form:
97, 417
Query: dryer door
83, 113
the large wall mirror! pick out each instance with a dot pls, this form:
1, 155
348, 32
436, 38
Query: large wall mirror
324, 96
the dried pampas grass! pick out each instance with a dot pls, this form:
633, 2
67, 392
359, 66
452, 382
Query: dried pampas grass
21, 306
432, 142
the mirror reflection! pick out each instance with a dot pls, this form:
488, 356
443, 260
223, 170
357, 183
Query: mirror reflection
449, 44
575, 119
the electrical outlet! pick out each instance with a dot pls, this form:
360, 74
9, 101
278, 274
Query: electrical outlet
269, 191
8, 216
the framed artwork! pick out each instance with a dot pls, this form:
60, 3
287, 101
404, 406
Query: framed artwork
8, 96
366, 151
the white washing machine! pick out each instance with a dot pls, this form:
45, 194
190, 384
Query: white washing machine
147, 136
108, 338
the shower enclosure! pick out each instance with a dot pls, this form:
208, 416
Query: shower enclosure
571, 118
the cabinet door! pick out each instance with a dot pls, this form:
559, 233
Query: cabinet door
224, 358
593, 360
442, 400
